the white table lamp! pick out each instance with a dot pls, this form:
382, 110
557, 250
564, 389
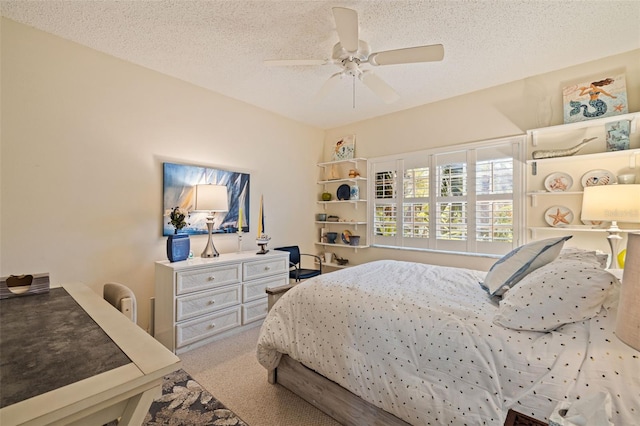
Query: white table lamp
211, 198
614, 203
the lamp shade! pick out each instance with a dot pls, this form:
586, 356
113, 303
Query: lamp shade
611, 203
628, 319
211, 198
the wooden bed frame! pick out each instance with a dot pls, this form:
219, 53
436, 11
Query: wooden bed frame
329, 397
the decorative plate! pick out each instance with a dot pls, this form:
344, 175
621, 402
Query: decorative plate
344, 192
558, 216
346, 236
557, 182
598, 177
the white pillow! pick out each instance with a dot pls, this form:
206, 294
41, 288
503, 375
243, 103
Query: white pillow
559, 293
516, 264
583, 255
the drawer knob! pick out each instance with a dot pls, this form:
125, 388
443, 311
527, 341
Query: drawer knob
211, 302
266, 268
212, 325
211, 278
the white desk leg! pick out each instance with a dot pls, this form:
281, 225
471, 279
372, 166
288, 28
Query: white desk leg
138, 407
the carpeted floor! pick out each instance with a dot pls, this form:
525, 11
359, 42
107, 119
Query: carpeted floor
230, 371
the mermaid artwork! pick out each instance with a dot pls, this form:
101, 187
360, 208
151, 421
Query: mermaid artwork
594, 90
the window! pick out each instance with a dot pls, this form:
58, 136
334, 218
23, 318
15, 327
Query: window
467, 200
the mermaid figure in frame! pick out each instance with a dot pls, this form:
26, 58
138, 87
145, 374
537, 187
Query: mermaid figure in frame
594, 90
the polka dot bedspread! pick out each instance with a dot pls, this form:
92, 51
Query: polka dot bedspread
419, 341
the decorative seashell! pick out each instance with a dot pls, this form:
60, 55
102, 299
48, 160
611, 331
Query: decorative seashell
552, 153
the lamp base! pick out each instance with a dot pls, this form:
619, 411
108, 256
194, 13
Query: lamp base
614, 239
210, 250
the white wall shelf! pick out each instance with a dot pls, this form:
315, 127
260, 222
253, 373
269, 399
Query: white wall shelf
334, 163
571, 229
535, 194
344, 209
632, 117
353, 179
343, 245
633, 154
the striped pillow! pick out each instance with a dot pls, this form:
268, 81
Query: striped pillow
516, 264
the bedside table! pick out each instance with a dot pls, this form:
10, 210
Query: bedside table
517, 419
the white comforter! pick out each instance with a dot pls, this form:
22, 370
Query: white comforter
418, 341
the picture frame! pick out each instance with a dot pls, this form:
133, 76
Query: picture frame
179, 181
617, 135
600, 97
344, 149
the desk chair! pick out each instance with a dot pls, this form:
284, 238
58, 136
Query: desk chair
296, 271
122, 298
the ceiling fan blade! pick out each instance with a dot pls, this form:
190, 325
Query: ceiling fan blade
295, 62
434, 52
329, 85
347, 27
379, 87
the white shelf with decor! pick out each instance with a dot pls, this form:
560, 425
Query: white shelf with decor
576, 228
536, 134
350, 215
592, 161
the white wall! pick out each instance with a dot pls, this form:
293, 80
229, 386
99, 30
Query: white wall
84, 136
499, 111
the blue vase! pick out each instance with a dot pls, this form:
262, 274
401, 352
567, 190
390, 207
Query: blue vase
178, 246
354, 192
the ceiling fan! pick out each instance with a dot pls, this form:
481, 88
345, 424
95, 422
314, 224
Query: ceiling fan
351, 53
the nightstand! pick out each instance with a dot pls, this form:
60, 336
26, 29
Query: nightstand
517, 419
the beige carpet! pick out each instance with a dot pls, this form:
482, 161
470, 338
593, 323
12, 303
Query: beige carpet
229, 370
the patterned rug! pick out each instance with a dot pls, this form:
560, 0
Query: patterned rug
185, 403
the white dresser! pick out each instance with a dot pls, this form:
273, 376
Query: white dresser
200, 300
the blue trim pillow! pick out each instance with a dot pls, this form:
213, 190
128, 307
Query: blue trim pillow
516, 264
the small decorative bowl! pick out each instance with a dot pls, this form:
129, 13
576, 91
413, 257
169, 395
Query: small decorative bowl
627, 179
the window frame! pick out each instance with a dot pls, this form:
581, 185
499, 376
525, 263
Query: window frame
472, 245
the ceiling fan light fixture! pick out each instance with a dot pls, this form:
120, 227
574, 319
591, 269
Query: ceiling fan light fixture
350, 52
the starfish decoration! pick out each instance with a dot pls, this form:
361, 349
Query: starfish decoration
618, 107
559, 217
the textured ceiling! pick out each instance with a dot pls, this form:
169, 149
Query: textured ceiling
221, 45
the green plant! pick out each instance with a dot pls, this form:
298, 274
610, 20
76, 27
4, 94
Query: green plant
178, 218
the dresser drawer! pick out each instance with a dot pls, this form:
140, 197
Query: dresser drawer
197, 329
254, 290
195, 304
202, 279
254, 311
264, 268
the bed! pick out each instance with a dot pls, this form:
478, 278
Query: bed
426, 344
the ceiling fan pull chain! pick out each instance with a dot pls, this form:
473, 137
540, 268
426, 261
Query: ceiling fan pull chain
353, 80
